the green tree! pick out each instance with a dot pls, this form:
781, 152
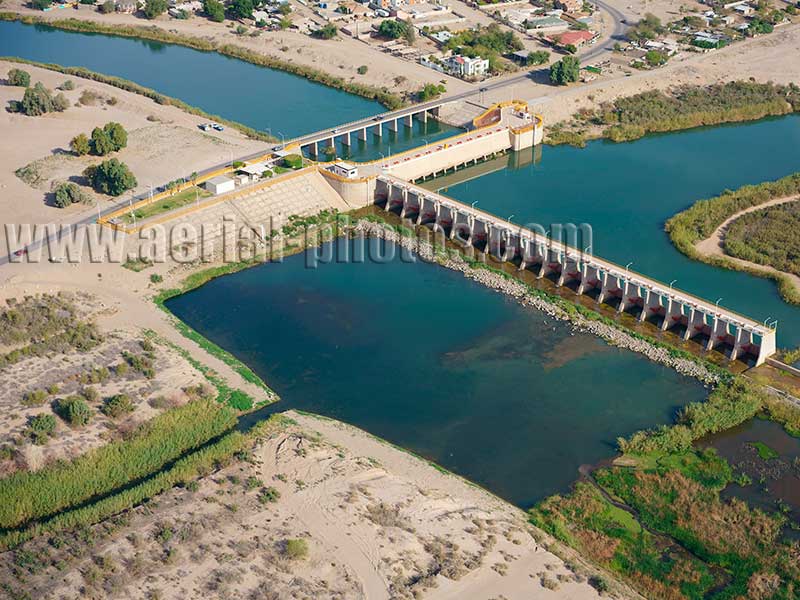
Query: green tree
362, 70
538, 57
19, 78
571, 48
117, 134
101, 142
40, 4
566, 70
285, 8
80, 144
243, 9
153, 8
108, 7
74, 411
215, 10
36, 101
430, 91
111, 177
392, 29
67, 193
293, 161
326, 32
654, 58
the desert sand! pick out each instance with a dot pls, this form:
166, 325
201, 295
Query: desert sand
377, 523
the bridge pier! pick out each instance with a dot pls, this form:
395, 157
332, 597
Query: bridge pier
346, 139
695, 323
393, 125
669, 313
422, 117
378, 130
718, 334
408, 121
362, 134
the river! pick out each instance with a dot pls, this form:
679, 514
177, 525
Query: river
418, 354
438, 364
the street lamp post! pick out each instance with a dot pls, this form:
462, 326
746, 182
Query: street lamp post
474, 203
627, 267
671, 283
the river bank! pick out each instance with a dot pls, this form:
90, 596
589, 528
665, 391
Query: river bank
154, 33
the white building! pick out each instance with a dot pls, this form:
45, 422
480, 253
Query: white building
464, 66
345, 169
220, 185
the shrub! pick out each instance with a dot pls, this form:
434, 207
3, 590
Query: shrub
362, 70
67, 86
117, 406
90, 394
34, 398
538, 57
108, 7
430, 91
268, 494
295, 549
74, 411
41, 428
111, 177
326, 32
67, 193
80, 145
37, 101
156, 278
19, 78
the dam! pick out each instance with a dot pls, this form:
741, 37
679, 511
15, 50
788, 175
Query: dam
503, 127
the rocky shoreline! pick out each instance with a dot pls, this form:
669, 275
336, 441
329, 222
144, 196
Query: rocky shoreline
520, 292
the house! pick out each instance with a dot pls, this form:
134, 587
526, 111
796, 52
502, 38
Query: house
442, 37
220, 185
344, 169
574, 38
550, 23
744, 9
464, 66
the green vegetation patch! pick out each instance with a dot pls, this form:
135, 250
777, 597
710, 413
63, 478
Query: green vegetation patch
701, 219
764, 451
27, 496
178, 200
767, 237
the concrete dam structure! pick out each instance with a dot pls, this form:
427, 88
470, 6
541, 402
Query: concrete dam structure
389, 183
608, 283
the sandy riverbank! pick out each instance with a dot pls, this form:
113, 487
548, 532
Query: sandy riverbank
377, 523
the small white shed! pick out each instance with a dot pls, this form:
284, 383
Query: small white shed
345, 169
220, 185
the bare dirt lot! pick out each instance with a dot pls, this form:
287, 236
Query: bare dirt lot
164, 143
322, 510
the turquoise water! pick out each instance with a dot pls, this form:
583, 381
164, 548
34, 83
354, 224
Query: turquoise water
437, 364
264, 99
627, 191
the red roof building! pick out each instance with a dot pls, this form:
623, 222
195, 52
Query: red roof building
576, 38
